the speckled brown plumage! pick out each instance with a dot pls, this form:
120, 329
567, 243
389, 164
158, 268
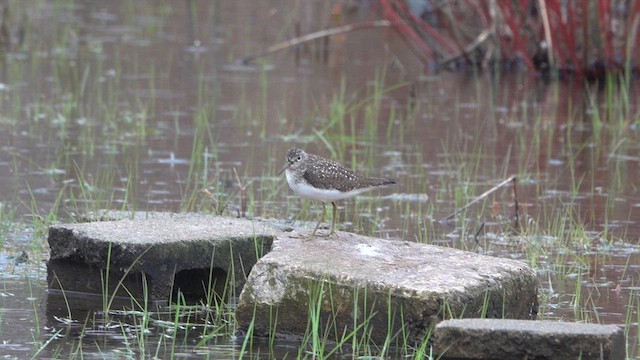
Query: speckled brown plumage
323, 173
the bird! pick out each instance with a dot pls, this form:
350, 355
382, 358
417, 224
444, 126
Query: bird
316, 178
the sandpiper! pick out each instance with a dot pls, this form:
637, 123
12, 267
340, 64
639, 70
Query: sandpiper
316, 178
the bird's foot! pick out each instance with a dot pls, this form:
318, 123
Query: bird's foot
317, 234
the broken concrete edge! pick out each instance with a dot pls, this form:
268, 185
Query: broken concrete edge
319, 298
508, 338
104, 215
324, 297
115, 215
371, 304
152, 253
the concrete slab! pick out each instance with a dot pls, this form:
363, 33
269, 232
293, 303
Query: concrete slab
398, 288
184, 250
522, 339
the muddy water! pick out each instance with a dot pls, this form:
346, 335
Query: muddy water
103, 102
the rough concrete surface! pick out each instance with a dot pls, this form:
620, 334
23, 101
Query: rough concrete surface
521, 339
393, 284
155, 250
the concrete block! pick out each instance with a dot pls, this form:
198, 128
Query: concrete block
398, 287
522, 339
166, 252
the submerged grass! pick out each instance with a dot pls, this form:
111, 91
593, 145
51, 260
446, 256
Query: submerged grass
148, 329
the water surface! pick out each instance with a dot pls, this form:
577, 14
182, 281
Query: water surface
139, 105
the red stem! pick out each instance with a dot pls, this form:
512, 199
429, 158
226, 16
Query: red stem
635, 53
568, 45
605, 22
427, 28
414, 41
507, 10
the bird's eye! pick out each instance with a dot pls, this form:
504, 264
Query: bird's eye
299, 157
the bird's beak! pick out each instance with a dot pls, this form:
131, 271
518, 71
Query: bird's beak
284, 168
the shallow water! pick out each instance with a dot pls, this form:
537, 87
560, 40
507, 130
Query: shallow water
103, 103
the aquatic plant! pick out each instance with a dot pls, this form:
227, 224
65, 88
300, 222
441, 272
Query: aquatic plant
585, 38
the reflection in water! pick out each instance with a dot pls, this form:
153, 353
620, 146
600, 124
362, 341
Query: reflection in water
139, 106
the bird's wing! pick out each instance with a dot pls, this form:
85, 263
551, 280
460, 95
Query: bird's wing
327, 175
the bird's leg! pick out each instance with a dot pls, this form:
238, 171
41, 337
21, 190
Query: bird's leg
333, 221
324, 209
